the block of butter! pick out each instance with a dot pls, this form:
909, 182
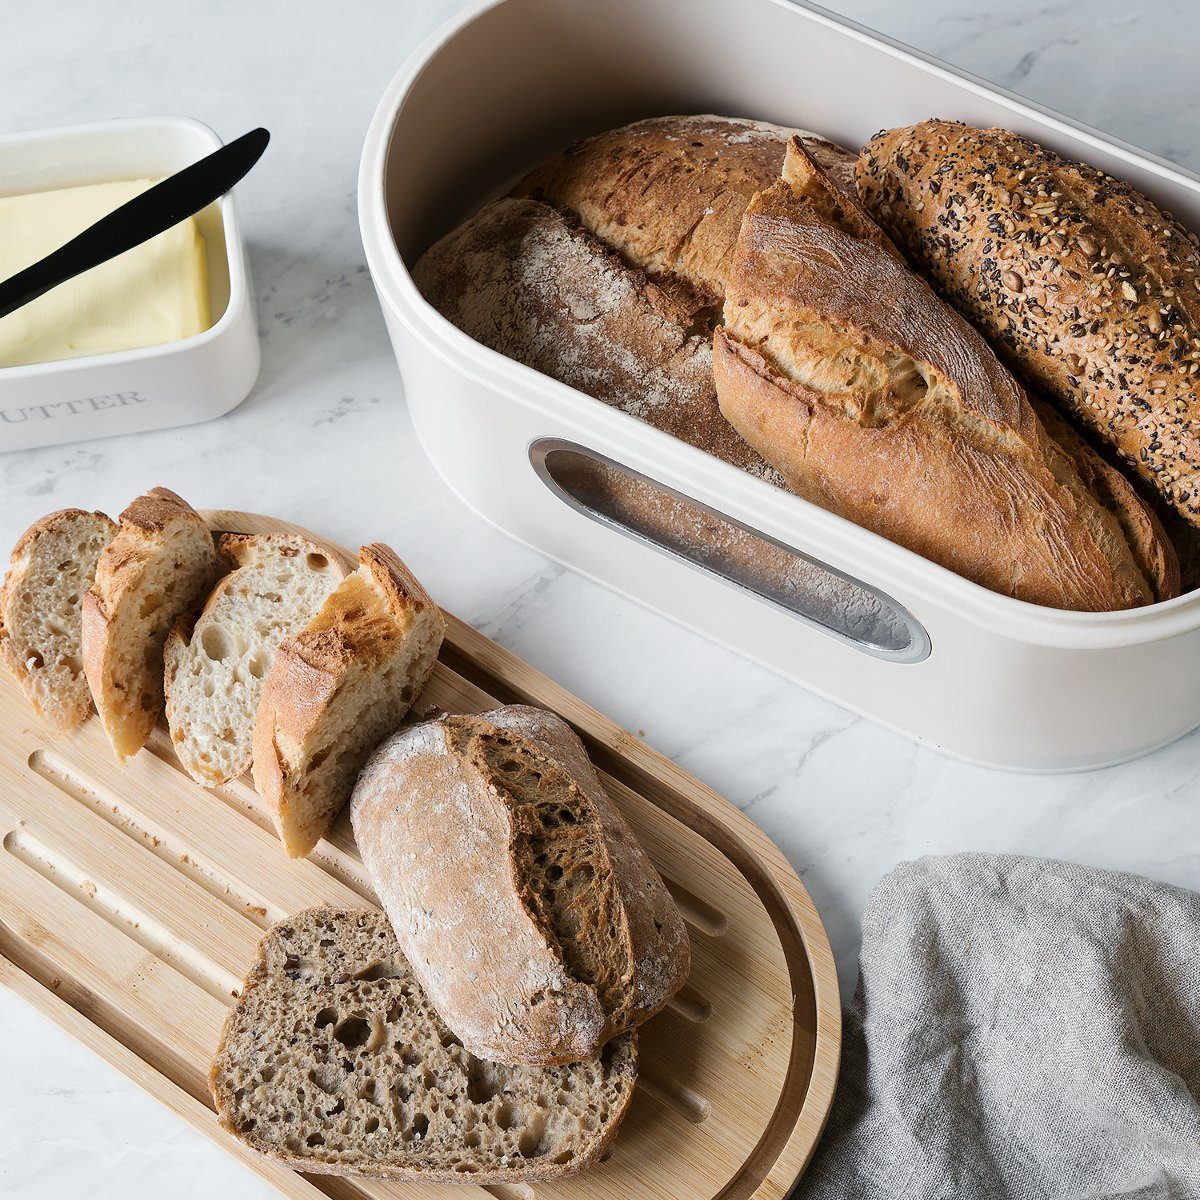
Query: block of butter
155, 293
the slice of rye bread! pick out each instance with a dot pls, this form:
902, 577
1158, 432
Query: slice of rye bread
158, 568
216, 665
532, 917
337, 688
333, 1061
52, 566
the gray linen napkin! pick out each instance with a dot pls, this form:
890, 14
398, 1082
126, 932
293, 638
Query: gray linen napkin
1021, 1028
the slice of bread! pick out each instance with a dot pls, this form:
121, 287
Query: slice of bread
337, 689
52, 566
215, 666
566, 935
158, 568
334, 1062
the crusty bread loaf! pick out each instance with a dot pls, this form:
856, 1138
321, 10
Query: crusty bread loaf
337, 688
158, 568
526, 281
668, 193
1087, 288
215, 666
1151, 544
874, 400
52, 565
534, 920
334, 1062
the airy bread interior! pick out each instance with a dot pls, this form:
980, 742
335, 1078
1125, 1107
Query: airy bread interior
563, 868
175, 571
40, 632
335, 1061
383, 658
214, 677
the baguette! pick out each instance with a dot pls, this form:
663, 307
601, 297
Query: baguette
41, 635
215, 666
1087, 288
334, 1062
158, 568
532, 917
874, 400
336, 689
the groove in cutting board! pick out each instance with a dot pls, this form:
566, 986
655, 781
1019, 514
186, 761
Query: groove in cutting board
161, 843
736, 1073
135, 923
689, 1003
670, 1091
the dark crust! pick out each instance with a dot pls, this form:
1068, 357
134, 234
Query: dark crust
1084, 285
154, 510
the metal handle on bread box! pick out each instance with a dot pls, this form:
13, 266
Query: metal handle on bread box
666, 520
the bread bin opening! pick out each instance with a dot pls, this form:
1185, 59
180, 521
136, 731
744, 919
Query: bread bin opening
659, 516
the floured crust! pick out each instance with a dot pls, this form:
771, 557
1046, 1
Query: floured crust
528, 282
432, 820
879, 403
1082, 283
376, 614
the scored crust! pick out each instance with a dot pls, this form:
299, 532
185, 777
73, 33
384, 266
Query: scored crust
1082, 283
533, 918
879, 403
668, 193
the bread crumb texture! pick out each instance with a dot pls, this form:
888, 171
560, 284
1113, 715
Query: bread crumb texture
52, 565
335, 1062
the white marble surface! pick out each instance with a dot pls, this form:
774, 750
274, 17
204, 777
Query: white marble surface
325, 440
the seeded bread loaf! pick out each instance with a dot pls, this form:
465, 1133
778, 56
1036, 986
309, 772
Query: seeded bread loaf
1086, 288
334, 1062
158, 568
844, 370
534, 920
215, 666
337, 688
52, 565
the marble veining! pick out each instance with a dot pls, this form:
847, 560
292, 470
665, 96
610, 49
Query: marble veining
325, 440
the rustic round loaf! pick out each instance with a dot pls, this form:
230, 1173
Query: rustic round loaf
533, 919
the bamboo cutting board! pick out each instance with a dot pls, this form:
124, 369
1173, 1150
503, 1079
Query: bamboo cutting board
131, 901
